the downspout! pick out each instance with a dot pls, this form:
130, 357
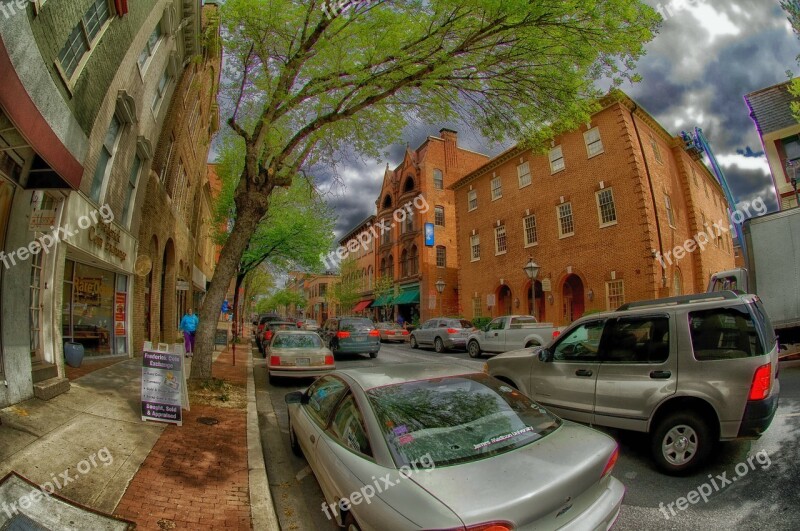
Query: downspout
652, 192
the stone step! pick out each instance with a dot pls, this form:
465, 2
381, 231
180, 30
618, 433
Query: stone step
41, 371
50, 388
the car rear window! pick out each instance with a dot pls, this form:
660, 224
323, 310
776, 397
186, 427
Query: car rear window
521, 322
457, 419
725, 333
459, 323
297, 341
356, 325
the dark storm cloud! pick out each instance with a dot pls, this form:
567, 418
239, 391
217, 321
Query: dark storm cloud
748, 185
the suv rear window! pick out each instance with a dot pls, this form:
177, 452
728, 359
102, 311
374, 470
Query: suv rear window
356, 325
459, 323
724, 333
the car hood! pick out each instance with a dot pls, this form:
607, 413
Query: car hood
521, 353
560, 472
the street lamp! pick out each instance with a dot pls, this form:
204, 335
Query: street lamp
440, 288
531, 268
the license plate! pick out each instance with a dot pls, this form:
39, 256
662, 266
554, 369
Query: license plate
303, 362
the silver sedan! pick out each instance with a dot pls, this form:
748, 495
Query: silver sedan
435, 446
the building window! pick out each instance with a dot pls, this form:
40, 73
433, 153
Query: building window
441, 256
714, 198
133, 180
104, 163
705, 188
475, 247
386, 234
404, 263
82, 37
529, 226
390, 266
524, 174
477, 307
497, 188
36, 305
472, 200
605, 207
413, 259
500, 242
694, 177
438, 216
556, 160
150, 47
615, 294
670, 213
594, 144
677, 282
408, 223
566, 225
193, 121
438, 180
165, 168
656, 149
161, 90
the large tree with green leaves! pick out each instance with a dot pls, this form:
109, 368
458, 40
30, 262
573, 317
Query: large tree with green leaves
347, 291
792, 8
310, 80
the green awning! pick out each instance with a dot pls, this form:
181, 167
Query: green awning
383, 300
409, 296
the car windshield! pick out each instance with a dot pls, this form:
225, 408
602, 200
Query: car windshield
296, 341
389, 325
461, 323
356, 325
457, 419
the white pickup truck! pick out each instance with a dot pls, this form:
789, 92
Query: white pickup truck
510, 332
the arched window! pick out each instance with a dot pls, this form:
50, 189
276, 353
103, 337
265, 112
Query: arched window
390, 266
369, 277
409, 184
404, 264
413, 259
384, 272
387, 201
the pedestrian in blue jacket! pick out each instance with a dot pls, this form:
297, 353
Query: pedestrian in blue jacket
189, 324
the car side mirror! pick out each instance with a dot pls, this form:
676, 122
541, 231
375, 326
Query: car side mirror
545, 356
297, 397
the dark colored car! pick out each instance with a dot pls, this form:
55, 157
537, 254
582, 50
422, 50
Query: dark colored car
263, 319
351, 335
270, 328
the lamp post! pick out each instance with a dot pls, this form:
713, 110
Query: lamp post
440, 288
532, 270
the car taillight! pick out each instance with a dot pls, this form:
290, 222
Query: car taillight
274, 360
488, 526
611, 462
405, 332
761, 383
374, 333
556, 333
299, 324
452, 331
268, 335
328, 360
342, 335
390, 332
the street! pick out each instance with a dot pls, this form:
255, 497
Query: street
761, 497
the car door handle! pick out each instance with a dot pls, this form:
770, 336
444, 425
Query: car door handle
662, 375
313, 439
583, 372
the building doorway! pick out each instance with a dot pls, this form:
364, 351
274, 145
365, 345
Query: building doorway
535, 298
504, 300
572, 297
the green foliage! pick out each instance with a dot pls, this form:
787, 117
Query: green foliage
280, 299
347, 291
481, 322
383, 286
792, 8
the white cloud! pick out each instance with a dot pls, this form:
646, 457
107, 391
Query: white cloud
731, 160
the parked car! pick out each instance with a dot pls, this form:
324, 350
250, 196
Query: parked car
441, 427
263, 319
351, 335
442, 333
510, 332
311, 324
298, 354
392, 332
689, 370
269, 331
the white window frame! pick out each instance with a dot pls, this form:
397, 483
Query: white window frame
656, 149
444, 251
440, 180
559, 210
149, 51
477, 307
670, 213
112, 151
496, 185
593, 141
500, 236
535, 229
90, 44
475, 247
130, 196
524, 177
161, 91
556, 157
618, 288
436, 210
613, 204
472, 197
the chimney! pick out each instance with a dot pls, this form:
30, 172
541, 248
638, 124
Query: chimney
450, 138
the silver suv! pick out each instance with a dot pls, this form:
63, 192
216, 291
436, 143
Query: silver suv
689, 370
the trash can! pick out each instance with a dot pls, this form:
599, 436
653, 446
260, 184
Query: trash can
73, 353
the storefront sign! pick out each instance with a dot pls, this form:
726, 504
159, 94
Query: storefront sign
547, 285
181, 285
429, 235
107, 238
87, 290
108, 242
163, 385
120, 305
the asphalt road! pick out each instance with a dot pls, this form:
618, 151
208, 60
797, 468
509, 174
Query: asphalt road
764, 496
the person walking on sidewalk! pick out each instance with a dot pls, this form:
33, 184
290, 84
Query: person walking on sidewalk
189, 324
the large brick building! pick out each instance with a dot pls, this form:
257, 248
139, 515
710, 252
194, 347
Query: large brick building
360, 244
416, 195
599, 212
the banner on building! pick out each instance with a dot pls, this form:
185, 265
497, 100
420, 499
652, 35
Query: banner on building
163, 386
120, 309
429, 235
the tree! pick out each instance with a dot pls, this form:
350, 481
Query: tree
309, 80
347, 291
257, 282
281, 299
792, 8
383, 288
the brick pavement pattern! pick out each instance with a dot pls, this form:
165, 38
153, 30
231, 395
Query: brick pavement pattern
196, 476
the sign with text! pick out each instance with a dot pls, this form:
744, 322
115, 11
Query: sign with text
429, 235
162, 386
120, 309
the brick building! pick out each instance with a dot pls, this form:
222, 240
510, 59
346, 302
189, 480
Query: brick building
318, 290
599, 212
771, 111
416, 197
360, 243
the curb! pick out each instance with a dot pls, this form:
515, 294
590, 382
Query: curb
262, 508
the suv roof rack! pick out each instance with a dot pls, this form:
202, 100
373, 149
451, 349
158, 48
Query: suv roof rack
682, 299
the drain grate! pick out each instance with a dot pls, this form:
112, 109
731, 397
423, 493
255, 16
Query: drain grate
208, 421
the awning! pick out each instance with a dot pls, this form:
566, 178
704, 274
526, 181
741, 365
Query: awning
361, 306
409, 296
383, 300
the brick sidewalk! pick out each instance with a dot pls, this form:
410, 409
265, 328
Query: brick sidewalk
196, 476
90, 365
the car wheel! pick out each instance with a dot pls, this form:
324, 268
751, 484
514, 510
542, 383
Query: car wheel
438, 345
413, 342
681, 442
350, 523
532, 344
373, 355
474, 349
293, 442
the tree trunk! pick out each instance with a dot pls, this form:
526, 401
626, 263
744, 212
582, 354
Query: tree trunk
249, 212
236, 316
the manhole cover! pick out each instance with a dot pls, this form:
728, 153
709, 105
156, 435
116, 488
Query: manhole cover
208, 421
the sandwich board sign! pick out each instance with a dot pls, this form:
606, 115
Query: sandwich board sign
163, 385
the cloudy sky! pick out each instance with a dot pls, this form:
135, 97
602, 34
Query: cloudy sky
708, 55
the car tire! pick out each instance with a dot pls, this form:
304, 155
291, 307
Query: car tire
350, 523
681, 442
474, 349
294, 444
438, 345
413, 342
373, 355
